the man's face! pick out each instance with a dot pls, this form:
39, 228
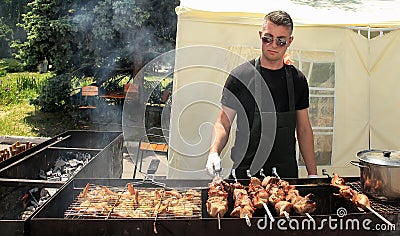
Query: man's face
275, 40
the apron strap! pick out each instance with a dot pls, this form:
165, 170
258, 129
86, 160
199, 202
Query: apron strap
290, 87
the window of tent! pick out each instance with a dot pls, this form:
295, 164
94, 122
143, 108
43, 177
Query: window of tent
319, 69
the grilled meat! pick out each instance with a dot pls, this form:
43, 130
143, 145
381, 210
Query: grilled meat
243, 206
302, 205
269, 180
217, 202
283, 207
359, 199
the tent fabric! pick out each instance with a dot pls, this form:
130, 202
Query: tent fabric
214, 37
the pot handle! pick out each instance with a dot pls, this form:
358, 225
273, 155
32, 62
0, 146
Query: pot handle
357, 163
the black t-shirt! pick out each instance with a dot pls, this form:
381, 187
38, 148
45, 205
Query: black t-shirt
237, 94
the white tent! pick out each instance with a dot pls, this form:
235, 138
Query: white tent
347, 56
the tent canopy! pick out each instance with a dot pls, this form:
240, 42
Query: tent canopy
373, 13
353, 87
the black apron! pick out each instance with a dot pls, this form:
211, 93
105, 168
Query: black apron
283, 153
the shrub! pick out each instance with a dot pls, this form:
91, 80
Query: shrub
55, 94
10, 65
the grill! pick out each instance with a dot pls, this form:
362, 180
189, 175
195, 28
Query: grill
23, 179
57, 218
105, 202
380, 206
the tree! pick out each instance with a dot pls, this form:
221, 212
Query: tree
5, 38
49, 34
97, 36
10, 16
101, 38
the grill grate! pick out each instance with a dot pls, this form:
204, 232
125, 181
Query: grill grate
388, 207
103, 202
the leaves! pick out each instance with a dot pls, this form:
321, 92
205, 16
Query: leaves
97, 39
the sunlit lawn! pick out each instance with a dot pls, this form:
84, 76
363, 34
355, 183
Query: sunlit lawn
23, 120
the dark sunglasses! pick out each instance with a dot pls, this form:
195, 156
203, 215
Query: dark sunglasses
280, 42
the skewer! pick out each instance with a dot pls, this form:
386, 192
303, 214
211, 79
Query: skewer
309, 216
268, 212
286, 215
219, 222
379, 215
274, 172
248, 173
155, 224
262, 173
248, 222
234, 175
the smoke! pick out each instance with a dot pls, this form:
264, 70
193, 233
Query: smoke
118, 38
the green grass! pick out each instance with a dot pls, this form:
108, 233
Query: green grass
18, 117
22, 120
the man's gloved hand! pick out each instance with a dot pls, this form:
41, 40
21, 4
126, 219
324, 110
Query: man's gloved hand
213, 164
312, 176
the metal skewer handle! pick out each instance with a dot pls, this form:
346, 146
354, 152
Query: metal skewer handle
262, 173
274, 172
379, 215
248, 173
234, 175
268, 212
219, 222
286, 215
248, 222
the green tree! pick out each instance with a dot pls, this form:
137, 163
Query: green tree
103, 38
5, 39
49, 34
10, 16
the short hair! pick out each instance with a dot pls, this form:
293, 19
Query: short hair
281, 18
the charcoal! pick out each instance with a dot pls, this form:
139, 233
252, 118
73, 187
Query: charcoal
66, 166
36, 198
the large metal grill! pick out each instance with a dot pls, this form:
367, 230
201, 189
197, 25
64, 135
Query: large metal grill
27, 176
57, 215
104, 202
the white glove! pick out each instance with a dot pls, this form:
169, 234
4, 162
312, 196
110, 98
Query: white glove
213, 163
313, 176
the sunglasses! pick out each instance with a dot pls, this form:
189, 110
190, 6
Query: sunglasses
280, 42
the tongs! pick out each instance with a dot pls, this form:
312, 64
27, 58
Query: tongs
149, 179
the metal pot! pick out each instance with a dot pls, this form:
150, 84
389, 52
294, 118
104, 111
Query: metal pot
380, 173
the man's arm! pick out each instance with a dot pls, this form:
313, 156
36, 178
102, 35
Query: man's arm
306, 140
221, 130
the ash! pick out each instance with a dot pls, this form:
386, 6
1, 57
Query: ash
66, 166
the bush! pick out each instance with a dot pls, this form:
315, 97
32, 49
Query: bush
10, 65
55, 94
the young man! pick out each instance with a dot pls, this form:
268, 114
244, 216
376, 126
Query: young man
277, 89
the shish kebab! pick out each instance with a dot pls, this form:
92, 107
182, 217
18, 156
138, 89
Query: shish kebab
359, 199
279, 193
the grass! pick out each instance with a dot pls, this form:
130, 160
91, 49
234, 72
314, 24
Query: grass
22, 120
18, 117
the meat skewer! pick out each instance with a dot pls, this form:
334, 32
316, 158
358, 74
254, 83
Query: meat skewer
243, 207
359, 199
259, 196
285, 197
217, 202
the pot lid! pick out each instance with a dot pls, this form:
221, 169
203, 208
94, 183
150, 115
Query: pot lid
380, 157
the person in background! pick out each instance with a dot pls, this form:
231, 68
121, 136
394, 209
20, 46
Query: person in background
290, 96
